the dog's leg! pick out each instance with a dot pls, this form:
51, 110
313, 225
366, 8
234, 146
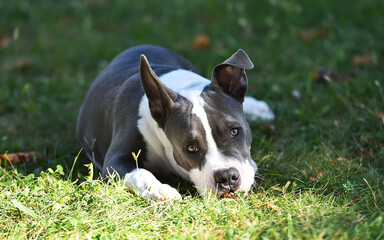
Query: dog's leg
138, 179
255, 109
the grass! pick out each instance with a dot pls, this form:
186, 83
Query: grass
321, 161
53, 207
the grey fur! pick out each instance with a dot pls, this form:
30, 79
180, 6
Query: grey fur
107, 122
106, 126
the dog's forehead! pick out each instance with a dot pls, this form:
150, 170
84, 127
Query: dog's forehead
183, 121
207, 112
222, 107
225, 113
189, 104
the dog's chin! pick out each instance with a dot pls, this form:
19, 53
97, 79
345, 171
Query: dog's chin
210, 190
221, 193
226, 193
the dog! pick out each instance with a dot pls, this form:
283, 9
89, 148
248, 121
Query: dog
151, 99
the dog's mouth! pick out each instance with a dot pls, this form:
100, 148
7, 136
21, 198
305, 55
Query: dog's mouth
227, 194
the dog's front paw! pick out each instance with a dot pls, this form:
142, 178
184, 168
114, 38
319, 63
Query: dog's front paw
161, 192
146, 185
255, 109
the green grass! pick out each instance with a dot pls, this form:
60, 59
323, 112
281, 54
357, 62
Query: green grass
64, 45
53, 207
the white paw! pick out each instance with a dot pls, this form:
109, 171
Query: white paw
146, 185
161, 192
255, 109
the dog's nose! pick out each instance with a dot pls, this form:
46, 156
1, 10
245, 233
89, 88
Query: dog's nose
227, 178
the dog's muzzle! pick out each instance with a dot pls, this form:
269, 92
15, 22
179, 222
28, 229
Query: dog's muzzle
227, 180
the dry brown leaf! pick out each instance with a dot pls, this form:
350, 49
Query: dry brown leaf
4, 41
66, 20
364, 153
201, 42
309, 35
363, 59
368, 139
273, 207
337, 159
322, 75
379, 115
20, 157
20, 63
317, 176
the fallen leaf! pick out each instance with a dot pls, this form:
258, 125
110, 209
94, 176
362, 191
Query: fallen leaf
363, 59
201, 42
309, 35
317, 176
379, 115
368, 139
306, 36
337, 159
323, 75
273, 207
4, 41
20, 157
21, 63
364, 153
66, 20
321, 33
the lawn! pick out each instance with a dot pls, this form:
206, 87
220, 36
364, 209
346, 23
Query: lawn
318, 64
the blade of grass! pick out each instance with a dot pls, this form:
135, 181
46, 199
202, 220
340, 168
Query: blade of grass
373, 193
24, 209
73, 165
136, 157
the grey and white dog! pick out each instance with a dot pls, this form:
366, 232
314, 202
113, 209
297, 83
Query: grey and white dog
152, 99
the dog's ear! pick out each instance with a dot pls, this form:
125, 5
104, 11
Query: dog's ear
160, 97
230, 76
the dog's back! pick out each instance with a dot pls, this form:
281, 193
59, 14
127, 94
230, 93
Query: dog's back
95, 127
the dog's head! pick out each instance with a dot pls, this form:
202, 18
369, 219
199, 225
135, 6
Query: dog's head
206, 131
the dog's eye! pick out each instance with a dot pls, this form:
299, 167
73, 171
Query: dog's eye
234, 132
192, 148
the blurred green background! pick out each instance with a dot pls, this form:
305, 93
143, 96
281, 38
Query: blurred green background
52, 50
